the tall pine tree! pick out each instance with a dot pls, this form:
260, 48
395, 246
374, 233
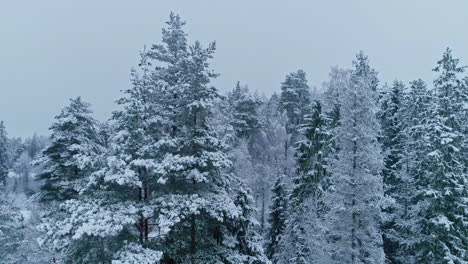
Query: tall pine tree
69, 157
355, 195
439, 209
304, 230
277, 219
392, 140
295, 100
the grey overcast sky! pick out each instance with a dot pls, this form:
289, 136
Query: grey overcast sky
53, 50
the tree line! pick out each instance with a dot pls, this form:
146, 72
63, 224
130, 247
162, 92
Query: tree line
359, 172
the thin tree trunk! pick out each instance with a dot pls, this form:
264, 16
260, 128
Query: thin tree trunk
193, 237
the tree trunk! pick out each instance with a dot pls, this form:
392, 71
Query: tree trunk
193, 237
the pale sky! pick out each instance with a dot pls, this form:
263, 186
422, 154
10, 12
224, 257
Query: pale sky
54, 50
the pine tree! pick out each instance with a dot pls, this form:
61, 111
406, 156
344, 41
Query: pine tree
68, 159
4, 160
67, 164
163, 191
110, 220
10, 230
414, 118
295, 99
304, 231
355, 195
244, 111
439, 210
194, 166
277, 219
392, 140
310, 156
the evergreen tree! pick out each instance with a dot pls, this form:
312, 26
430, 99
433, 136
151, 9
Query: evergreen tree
10, 230
244, 111
163, 192
67, 164
194, 164
304, 227
110, 220
4, 161
414, 118
439, 210
392, 140
355, 195
68, 159
310, 156
277, 220
295, 100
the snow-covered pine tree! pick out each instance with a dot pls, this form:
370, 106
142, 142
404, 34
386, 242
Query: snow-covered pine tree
295, 100
4, 160
110, 220
277, 219
244, 111
66, 165
197, 191
415, 117
69, 157
355, 195
439, 210
392, 140
303, 232
10, 230
311, 157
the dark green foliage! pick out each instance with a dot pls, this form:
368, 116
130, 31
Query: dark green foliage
278, 216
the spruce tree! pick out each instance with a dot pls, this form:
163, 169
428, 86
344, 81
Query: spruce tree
67, 163
392, 140
439, 210
244, 111
304, 230
4, 161
10, 230
163, 191
194, 165
295, 100
355, 195
277, 219
311, 156
414, 118
69, 157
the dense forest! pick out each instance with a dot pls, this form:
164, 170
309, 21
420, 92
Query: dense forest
356, 171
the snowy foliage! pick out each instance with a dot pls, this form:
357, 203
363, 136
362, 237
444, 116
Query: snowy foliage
360, 173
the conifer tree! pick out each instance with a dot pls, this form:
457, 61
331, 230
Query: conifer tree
69, 157
439, 209
3, 154
163, 192
295, 99
244, 110
355, 195
303, 231
392, 140
10, 230
414, 118
277, 219
311, 157
194, 165
67, 164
